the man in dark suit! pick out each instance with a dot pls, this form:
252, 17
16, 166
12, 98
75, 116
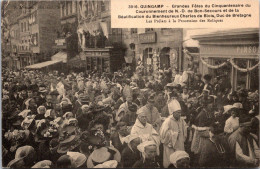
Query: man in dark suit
118, 138
48, 104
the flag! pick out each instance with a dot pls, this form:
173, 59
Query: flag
104, 28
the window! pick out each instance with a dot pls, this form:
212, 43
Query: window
74, 7
61, 10
133, 30
37, 39
66, 9
103, 6
24, 25
21, 27
148, 29
69, 8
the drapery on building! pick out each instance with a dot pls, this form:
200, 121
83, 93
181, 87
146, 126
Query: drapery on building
239, 48
100, 46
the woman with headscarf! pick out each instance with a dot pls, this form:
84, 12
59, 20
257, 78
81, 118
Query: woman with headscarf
179, 159
149, 152
41, 112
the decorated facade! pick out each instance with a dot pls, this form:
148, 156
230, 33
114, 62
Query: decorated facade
234, 53
100, 46
156, 48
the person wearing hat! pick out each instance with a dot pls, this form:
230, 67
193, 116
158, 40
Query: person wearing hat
43, 164
118, 138
64, 162
103, 154
232, 123
152, 114
149, 158
130, 117
179, 159
144, 129
131, 154
173, 132
242, 96
24, 158
48, 104
124, 108
208, 85
42, 95
243, 146
214, 151
78, 160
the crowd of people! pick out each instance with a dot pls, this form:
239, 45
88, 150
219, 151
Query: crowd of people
168, 119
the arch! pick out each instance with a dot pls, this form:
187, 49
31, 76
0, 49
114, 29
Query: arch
165, 58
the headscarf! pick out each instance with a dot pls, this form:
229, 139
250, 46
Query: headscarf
47, 113
38, 109
141, 147
24, 113
130, 138
177, 155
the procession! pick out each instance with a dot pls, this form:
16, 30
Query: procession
77, 93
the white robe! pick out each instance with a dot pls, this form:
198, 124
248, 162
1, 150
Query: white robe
146, 132
173, 134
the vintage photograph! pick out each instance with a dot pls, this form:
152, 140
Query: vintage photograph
77, 93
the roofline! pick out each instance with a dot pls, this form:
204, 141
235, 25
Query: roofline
226, 33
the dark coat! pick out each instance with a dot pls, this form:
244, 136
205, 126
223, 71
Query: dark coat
146, 164
48, 106
116, 142
210, 156
128, 157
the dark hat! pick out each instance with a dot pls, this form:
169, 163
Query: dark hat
100, 119
242, 93
64, 161
151, 98
234, 93
207, 77
198, 74
69, 144
54, 92
22, 87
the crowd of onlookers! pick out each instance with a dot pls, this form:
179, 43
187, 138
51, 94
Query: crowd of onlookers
125, 119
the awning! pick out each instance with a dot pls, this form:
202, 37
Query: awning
43, 64
61, 56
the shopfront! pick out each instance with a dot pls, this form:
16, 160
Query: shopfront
101, 59
234, 53
160, 49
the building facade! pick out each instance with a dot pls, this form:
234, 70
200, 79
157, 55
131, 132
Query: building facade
11, 10
155, 48
66, 43
33, 29
234, 53
100, 46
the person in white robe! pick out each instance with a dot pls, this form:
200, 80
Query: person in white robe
173, 132
145, 130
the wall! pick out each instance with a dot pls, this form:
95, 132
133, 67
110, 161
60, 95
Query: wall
48, 23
